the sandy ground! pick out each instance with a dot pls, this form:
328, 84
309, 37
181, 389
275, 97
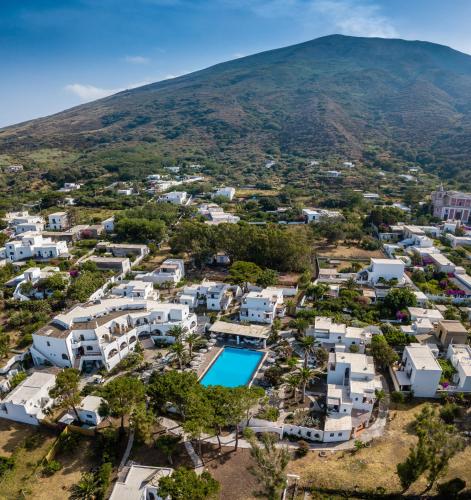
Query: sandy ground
342, 251
375, 466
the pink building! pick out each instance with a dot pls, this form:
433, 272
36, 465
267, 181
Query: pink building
451, 205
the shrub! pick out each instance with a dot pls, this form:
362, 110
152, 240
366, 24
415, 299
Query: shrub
303, 448
269, 413
52, 467
397, 397
449, 412
6, 464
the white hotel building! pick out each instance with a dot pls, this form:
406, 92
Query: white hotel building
102, 334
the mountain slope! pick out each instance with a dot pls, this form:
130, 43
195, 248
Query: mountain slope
333, 95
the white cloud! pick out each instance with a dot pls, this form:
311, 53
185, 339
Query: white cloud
238, 55
137, 60
89, 92
348, 17
354, 17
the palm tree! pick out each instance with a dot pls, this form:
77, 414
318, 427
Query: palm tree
292, 381
301, 325
179, 350
177, 332
290, 307
307, 344
304, 376
190, 340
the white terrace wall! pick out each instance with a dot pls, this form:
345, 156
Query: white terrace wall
308, 433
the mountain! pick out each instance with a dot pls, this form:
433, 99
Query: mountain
379, 99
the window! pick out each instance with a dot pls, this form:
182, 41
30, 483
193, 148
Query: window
89, 348
331, 434
64, 356
339, 434
48, 344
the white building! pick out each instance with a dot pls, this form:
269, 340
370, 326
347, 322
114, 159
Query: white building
70, 186
418, 371
351, 392
216, 215
58, 221
88, 410
33, 275
108, 224
125, 191
316, 214
140, 482
225, 192
22, 222
103, 333
135, 289
175, 197
33, 246
214, 296
333, 173
333, 335
460, 357
29, 400
262, 306
382, 270
171, 270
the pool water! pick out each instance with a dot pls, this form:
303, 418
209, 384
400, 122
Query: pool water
233, 367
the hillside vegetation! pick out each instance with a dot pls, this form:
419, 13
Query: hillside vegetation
379, 100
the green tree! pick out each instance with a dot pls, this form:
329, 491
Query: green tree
191, 339
270, 464
66, 390
122, 396
142, 421
242, 273
292, 380
168, 444
172, 387
399, 298
307, 345
412, 468
267, 277
184, 484
305, 376
4, 345
176, 332
178, 349
383, 354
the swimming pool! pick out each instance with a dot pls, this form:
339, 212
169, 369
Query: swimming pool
233, 367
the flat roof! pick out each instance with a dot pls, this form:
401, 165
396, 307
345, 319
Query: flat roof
90, 403
340, 423
422, 357
453, 326
254, 331
29, 387
138, 477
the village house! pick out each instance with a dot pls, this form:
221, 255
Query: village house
332, 336
118, 265
108, 224
29, 400
123, 249
225, 192
171, 271
23, 223
102, 334
135, 289
33, 246
70, 186
262, 306
216, 215
125, 191
451, 205
381, 270
139, 482
351, 393
32, 275
175, 197
14, 169
88, 410
58, 221
459, 356
450, 331
317, 214
210, 294
459, 241
418, 371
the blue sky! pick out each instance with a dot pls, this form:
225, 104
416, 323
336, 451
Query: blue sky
55, 54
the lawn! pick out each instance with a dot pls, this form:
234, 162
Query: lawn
374, 466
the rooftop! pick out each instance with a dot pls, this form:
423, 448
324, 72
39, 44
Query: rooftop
254, 331
422, 357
